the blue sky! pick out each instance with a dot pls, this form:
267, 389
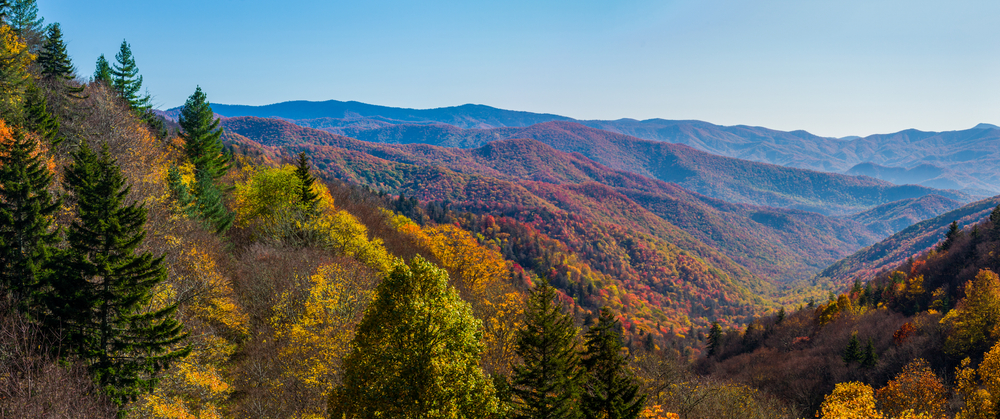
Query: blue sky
831, 67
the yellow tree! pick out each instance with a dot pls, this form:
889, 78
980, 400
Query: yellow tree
916, 389
975, 319
851, 400
14, 77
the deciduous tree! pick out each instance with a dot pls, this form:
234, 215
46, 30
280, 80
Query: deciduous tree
415, 353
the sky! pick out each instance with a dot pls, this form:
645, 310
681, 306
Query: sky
831, 67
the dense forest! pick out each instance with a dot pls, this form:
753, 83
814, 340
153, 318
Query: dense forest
169, 268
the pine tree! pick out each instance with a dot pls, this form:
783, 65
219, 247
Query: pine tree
853, 351
950, 236
125, 79
4, 12
203, 147
547, 385
102, 71
415, 353
53, 58
870, 357
611, 391
37, 117
101, 294
24, 17
26, 211
307, 197
714, 339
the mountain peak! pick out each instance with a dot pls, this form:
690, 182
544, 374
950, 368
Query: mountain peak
985, 126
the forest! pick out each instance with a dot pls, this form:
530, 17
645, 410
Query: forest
162, 267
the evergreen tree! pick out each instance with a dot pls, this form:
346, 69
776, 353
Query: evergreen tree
102, 71
870, 357
781, 316
950, 236
24, 17
547, 384
100, 297
307, 197
4, 12
53, 58
37, 117
714, 339
125, 79
611, 391
416, 353
853, 351
26, 211
203, 147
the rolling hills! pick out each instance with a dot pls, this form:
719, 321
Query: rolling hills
966, 159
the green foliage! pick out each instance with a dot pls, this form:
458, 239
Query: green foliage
27, 233
203, 148
548, 383
37, 117
125, 79
24, 17
714, 339
307, 197
53, 58
102, 71
101, 292
870, 357
14, 76
611, 390
852, 352
415, 353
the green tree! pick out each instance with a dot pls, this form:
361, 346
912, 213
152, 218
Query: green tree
611, 391
950, 236
4, 12
125, 79
853, 351
53, 58
547, 384
203, 147
416, 353
24, 17
102, 71
37, 117
307, 197
102, 294
26, 212
714, 339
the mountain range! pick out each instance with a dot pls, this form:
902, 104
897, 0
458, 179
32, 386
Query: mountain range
967, 160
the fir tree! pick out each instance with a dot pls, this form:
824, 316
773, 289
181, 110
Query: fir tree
4, 12
416, 353
611, 391
102, 71
870, 357
853, 351
37, 117
547, 384
101, 295
203, 147
781, 316
307, 197
714, 339
125, 79
950, 236
53, 58
24, 17
26, 211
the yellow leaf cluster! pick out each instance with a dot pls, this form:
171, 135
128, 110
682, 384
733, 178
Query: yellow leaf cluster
852, 400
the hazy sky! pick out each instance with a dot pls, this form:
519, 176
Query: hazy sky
831, 67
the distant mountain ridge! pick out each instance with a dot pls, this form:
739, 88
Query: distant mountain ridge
969, 159
725, 178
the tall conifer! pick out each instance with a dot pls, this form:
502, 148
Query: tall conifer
203, 146
37, 117
26, 212
610, 389
102, 71
53, 58
307, 197
24, 17
125, 79
101, 295
547, 384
